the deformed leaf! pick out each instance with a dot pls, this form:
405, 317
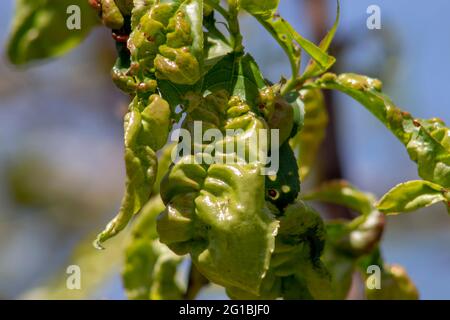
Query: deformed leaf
413, 195
307, 142
217, 212
296, 270
146, 130
427, 141
40, 29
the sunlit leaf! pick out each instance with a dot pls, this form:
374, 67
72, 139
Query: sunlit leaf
40, 30
413, 195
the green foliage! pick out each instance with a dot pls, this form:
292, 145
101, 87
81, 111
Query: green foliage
39, 30
256, 236
427, 141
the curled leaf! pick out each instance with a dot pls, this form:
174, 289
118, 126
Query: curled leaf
296, 271
427, 141
413, 195
307, 142
217, 213
146, 131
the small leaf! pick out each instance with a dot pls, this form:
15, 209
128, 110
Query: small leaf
307, 142
411, 196
314, 69
344, 194
40, 31
264, 8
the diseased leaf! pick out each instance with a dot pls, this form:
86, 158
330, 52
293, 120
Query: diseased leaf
307, 142
296, 271
168, 40
217, 213
40, 31
411, 196
427, 141
146, 131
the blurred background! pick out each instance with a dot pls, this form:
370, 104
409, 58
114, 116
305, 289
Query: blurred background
61, 169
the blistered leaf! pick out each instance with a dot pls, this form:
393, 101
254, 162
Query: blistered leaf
296, 271
427, 141
40, 29
217, 213
146, 131
307, 142
413, 195
168, 39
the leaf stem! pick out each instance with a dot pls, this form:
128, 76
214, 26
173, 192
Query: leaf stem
233, 21
216, 6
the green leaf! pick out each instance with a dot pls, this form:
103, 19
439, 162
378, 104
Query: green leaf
288, 37
238, 75
278, 31
342, 193
168, 40
146, 131
296, 271
40, 31
427, 141
314, 69
217, 46
217, 213
307, 142
150, 267
265, 9
413, 195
